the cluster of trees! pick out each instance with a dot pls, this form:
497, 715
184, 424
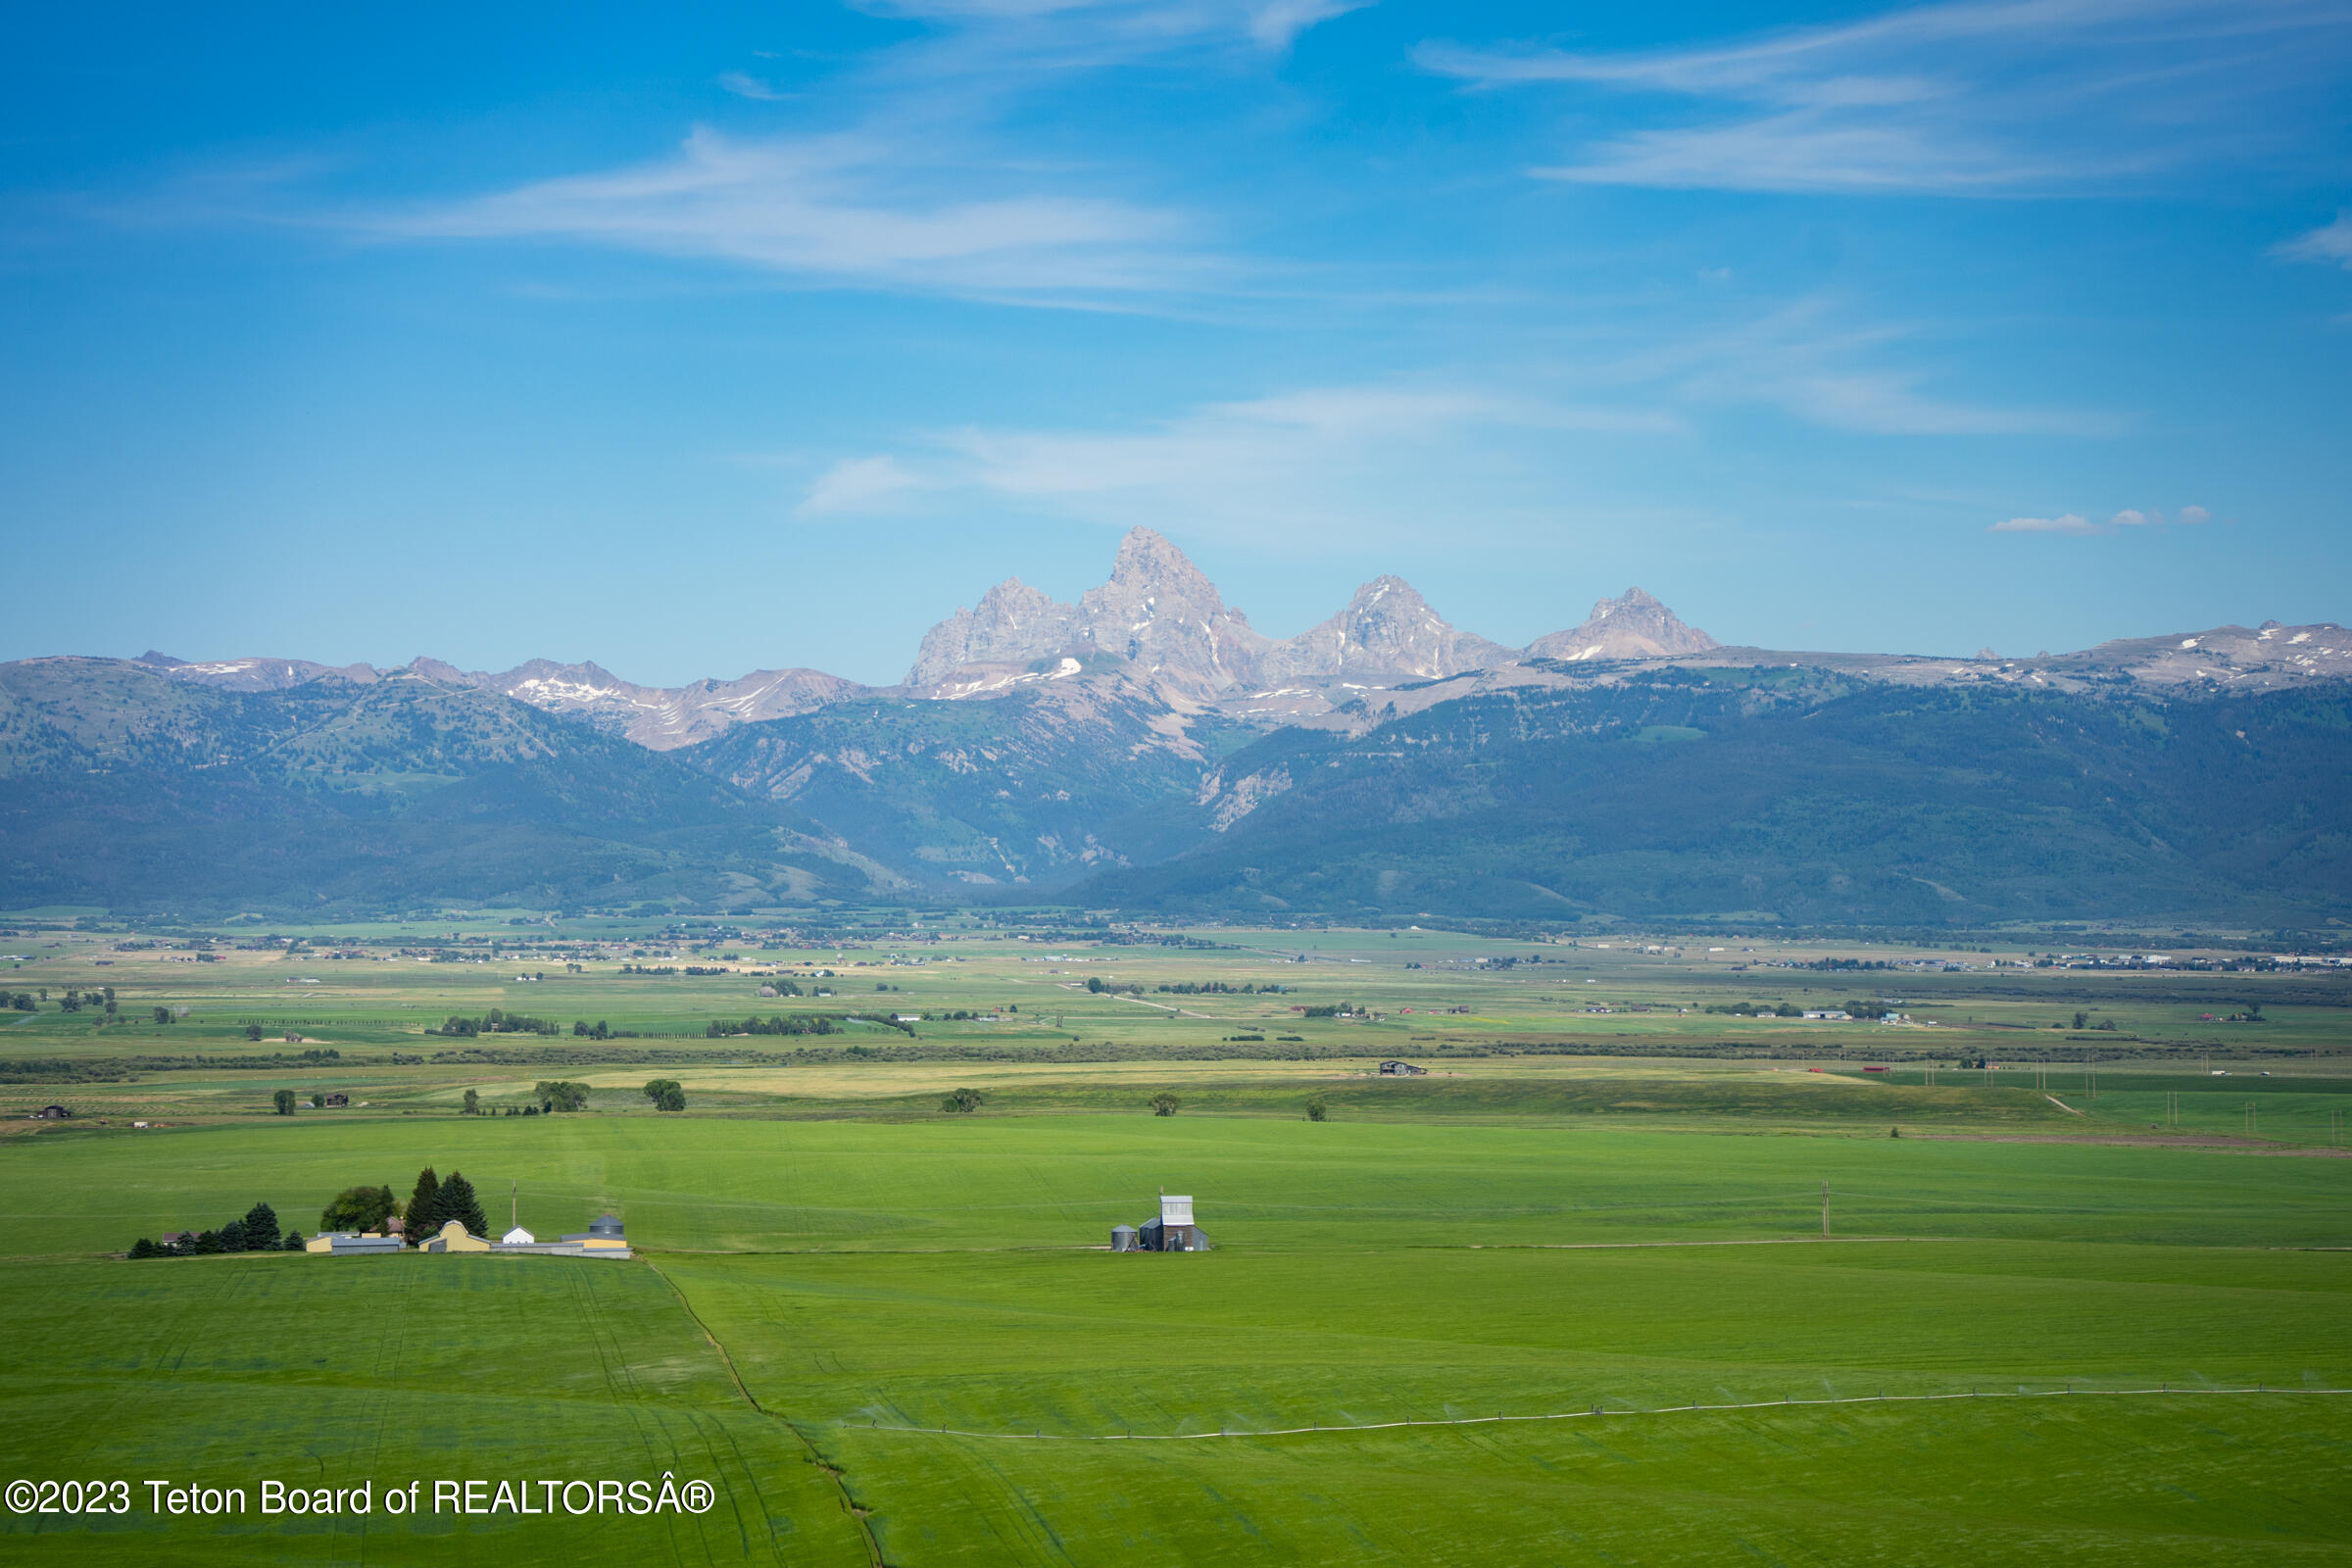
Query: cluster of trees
1213, 988
599, 1030
781, 986
1164, 1103
76, 1001
1758, 1010
962, 1099
560, 1094
782, 1024
257, 1232
496, 1022
1094, 983
1337, 1009
434, 1203
22, 1001
666, 1093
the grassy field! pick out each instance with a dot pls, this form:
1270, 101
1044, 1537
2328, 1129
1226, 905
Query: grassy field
832, 1268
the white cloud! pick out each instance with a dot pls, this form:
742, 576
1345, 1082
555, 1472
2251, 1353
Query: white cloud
858, 484
841, 207
2076, 523
2330, 244
1319, 459
2067, 522
744, 85
1807, 361
1277, 23
1981, 97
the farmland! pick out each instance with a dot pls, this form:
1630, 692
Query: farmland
1576, 1211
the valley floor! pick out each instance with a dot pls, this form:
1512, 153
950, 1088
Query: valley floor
813, 1301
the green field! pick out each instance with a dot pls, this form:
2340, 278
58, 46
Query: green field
886, 1331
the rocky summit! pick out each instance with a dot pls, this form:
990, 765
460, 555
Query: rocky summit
1632, 625
1160, 612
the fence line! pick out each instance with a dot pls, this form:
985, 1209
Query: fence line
2167, 1391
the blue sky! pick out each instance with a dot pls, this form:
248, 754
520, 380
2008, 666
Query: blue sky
769, 335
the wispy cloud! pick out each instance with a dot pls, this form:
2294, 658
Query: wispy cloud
1809, 360
1351, 456
743, 84
2330, 244
840, 208
1985, 97
2123, 522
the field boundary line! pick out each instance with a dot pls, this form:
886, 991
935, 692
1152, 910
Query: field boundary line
1596, 1413
849, 1504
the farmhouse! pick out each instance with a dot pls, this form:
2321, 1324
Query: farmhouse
1401, 1069
336, 1100
51, 1113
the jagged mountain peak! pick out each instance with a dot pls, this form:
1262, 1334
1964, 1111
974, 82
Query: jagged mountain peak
1632, 625
1388, 629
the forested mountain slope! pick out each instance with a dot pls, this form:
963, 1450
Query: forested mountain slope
122, 788
1794, 794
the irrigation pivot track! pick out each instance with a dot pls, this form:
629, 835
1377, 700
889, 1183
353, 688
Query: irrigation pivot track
1598, 1412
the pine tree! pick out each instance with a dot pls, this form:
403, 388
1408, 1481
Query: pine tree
424, 1208
459, 1202
260, 1228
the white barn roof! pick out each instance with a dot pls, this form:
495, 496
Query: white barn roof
518, 1237
1175, 1211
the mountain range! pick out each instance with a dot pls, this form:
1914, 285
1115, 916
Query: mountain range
1146, 747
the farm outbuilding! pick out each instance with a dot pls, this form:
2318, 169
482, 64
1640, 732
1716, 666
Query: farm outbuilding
1401, 1069
1172, 1228
1125, 1238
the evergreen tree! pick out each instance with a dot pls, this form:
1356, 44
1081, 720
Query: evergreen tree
260, 1228
232, 1236
459, 1202
424, 1208
144, 1248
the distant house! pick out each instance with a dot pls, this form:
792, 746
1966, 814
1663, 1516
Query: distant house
336, 1100
1172, 1230
51, 1113
604, 1238
138, 1124
1401, 1069
454, 1237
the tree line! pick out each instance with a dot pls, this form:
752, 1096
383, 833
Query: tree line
256, 1231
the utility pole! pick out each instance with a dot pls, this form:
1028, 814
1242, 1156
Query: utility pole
1825, 1208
